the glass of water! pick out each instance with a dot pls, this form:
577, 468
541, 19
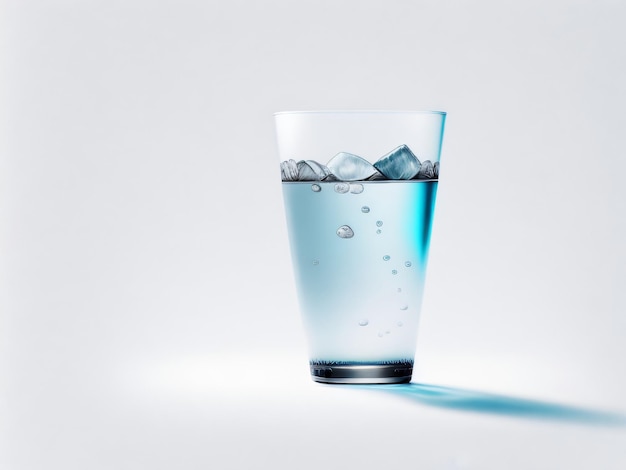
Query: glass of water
359, 190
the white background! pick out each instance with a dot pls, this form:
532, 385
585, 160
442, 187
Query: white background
148, 318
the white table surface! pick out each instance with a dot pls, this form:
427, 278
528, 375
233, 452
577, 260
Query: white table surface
236, 412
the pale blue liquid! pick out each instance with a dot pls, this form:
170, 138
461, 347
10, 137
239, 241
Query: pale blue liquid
360, 297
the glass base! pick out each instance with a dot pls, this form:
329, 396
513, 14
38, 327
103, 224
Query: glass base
362, 373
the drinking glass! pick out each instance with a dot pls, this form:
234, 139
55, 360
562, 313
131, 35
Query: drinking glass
359, 190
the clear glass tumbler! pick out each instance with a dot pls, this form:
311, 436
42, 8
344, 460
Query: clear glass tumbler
359, 189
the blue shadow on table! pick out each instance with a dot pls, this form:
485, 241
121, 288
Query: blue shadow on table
480, 402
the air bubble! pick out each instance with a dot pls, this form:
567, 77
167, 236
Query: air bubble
386, 257
399, 323
345, 232
356, 188
407, 264
394, 272
315, 262
381, 334
404, 307
379, 232
399, 289
365, 209
316, 188
342, 188
364, 322
387, 332
379, 223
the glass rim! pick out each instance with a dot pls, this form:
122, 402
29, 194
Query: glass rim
366, 111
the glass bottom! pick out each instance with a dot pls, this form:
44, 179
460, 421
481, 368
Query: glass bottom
362, 373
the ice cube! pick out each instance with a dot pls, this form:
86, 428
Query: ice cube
399, 164
427, 171
310, 170
349, 167
436, 169
289, 170
377, 176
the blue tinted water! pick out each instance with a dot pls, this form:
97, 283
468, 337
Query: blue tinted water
360, 259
